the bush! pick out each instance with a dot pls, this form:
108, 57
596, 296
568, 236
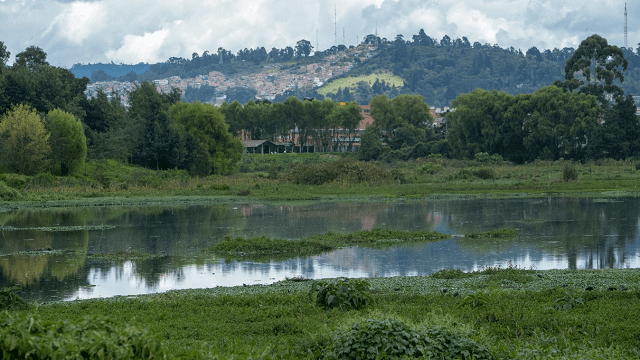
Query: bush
343, 170
346, 294
482, 157
569, 173
15, 181
43, 180
449, 274
391, 339
9, 300
8, 193
244, 192
485, 174
26, 337
430, 168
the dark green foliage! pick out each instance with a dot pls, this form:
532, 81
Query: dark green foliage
450, 274
8, 193
485, 174
345, 294
344, 171
493, 234
392, 339
26, 337
569, 172
262, 248
570, 300
9, 300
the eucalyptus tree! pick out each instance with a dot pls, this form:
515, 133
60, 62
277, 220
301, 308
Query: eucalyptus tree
593, 68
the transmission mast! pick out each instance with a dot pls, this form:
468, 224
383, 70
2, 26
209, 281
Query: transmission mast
625, 24
335, 23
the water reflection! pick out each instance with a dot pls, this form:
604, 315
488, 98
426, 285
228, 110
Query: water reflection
554, 233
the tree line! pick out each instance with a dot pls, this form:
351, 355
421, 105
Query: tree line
48, 124
326, 125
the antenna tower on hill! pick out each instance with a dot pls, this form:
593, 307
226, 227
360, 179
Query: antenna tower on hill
625, 24
335, 24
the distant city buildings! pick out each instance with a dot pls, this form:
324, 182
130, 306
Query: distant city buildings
269, 82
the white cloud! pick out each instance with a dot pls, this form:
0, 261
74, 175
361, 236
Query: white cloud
81, 21
154, 30
135, 47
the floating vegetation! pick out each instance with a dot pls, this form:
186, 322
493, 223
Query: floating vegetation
59, 228
263, 248
125, 256
40, 252
502, 233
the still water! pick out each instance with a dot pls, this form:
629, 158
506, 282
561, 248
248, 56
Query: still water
555, 233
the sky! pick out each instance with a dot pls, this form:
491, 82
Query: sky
150, 31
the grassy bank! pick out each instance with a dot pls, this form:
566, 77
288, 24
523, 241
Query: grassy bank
495, 313
285, 177
263, 248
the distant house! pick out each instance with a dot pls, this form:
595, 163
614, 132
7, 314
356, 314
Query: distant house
266, 147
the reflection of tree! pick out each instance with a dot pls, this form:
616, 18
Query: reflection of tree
295, 222
170, 230
596, 229
27, 269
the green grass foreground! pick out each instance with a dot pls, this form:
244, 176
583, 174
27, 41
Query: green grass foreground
514, 313
263, 248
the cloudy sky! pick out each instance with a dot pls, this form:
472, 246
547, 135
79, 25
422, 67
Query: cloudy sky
133, 31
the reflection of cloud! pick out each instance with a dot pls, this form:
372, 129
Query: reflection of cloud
368, 222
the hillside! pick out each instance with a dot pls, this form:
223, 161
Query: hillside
438, 70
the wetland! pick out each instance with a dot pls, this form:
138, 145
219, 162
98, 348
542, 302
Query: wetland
103, 251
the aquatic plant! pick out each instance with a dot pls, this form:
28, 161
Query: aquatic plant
263, 248
27, 337
501, 233
344, 294
392, 339
10, 300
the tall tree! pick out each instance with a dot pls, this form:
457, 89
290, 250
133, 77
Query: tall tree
4, 56
31, 57
24, 141
160, 145
594, 67
477, 125
205, 123
303, 48
348, 117
68, 142
401, 118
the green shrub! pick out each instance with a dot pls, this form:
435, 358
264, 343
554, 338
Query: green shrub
8, 193
15, 181
9, 300
342, 170
345, 294
449, 274
391, 339
42, 179
219, 187
26, 337
244, 192
569, 172
482, 157
430, 168
485, 174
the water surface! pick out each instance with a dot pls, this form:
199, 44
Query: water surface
555, 233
